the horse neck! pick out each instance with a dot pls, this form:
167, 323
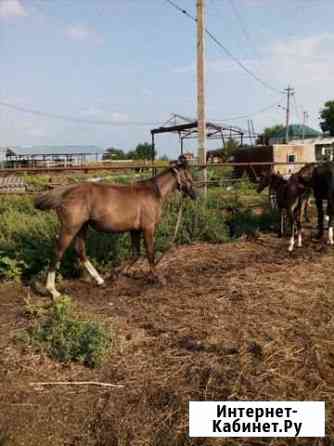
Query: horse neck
166, 183
277, 182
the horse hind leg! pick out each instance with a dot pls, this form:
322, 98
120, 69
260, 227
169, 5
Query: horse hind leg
80, 249
299, 227
292, 223
64, 240
135, 248
320, 210
330, 212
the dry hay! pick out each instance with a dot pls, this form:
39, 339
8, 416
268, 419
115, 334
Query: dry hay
241, 321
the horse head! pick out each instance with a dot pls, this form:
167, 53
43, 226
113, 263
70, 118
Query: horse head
264, 180
185, 182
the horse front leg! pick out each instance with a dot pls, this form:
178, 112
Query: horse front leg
330, 213
306, 205
135, 248
149, 246
298, 219
320, 209
292, 223
282, 218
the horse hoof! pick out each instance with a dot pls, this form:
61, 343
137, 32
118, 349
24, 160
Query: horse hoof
102, 285
55, 295
39, 288
162, 281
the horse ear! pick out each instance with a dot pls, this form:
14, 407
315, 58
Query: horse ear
182, 161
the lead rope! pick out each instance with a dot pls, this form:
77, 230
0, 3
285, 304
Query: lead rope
176, 230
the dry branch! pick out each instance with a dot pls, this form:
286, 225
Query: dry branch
76, 383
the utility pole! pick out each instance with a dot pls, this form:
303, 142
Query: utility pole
289, 93
201, 118
305, 117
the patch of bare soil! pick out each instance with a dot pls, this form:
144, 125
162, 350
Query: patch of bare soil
239, 321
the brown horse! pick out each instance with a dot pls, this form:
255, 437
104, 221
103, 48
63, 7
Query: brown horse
134, 208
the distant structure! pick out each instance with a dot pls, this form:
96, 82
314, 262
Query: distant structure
296, 132
314, 150
46, 160
215, 156
186, 128
4, 151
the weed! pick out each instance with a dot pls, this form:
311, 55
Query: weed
65, 337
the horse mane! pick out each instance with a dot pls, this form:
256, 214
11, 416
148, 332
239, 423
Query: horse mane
152, 184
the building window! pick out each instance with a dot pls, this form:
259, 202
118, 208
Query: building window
291, 158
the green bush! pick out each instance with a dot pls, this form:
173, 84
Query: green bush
246, 222
66, 338
199, 222
10, 269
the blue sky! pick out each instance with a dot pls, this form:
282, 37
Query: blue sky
134, 60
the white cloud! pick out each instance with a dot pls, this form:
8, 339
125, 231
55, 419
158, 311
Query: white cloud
119, 117
303, 62
82, 33
91, 111
11, 8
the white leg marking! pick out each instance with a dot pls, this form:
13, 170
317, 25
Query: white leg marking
326, 218
300, 239
292, 244
92, 271
330, 236
51, 285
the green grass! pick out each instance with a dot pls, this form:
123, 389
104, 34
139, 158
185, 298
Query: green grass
64, 337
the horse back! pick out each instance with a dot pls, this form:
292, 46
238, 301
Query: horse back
323, 181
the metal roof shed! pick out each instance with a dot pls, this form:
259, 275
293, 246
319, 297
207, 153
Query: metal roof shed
188, 129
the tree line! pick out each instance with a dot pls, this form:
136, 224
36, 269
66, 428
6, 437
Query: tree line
143, 151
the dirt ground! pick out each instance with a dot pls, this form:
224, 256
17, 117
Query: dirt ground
238, 321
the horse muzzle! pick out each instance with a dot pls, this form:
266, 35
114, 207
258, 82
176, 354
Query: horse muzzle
192, 194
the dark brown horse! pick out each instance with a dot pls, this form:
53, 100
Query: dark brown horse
134, 208
291, 197
321, 179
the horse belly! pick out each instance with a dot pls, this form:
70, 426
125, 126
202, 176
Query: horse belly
122, 222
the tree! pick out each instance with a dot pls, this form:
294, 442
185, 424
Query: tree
143, 151
230, 147
327, 116
113, 154
268, 133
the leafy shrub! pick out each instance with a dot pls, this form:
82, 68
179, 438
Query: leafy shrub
10, 269
246, 222
199, 222
66, 338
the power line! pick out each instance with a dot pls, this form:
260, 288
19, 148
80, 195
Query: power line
227, 51
75, 119
235, 118
117, 123
244, 30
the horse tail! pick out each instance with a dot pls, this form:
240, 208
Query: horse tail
52, 199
